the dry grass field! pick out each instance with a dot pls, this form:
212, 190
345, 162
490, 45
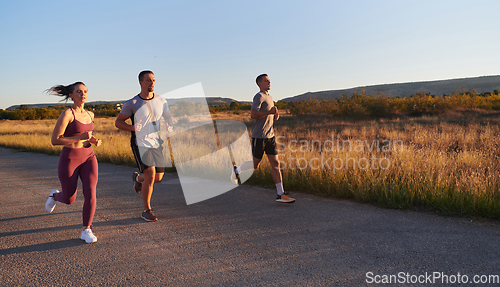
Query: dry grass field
35, 136
448, 164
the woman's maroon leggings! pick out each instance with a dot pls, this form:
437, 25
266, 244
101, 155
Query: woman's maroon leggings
74, 162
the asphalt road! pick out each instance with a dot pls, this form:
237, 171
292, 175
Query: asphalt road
240, 238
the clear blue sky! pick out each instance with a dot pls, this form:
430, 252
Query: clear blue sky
302, 45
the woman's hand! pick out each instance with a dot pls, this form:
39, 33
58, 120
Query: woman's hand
95, 141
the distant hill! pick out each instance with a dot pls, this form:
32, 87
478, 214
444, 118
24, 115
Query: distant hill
438, 88
210, 101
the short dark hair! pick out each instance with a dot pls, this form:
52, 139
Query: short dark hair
141, 74
259, 78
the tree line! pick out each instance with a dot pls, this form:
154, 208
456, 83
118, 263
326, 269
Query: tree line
181, 108
362, 106
23, 112
356, 106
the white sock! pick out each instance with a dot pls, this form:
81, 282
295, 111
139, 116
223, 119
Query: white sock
137, 178
279, 188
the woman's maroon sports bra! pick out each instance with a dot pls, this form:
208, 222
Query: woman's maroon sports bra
76, 128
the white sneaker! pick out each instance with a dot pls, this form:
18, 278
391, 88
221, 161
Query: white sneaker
235, 177
88, 236
50, 204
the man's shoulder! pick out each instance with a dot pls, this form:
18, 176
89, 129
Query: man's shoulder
263, 97
133, 100
130, 106
257, 101
159, 99
259, 96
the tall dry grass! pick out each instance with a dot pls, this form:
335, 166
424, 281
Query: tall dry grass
446, 164
35, 136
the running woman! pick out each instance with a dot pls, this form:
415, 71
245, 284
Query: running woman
73, 130
263, 140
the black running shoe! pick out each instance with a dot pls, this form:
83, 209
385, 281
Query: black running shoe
137, 185
148, 215
235, 176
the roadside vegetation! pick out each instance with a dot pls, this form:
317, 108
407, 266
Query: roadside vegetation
439, 154
362, 106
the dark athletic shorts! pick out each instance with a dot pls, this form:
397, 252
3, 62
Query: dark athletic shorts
152, 155
259, 146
